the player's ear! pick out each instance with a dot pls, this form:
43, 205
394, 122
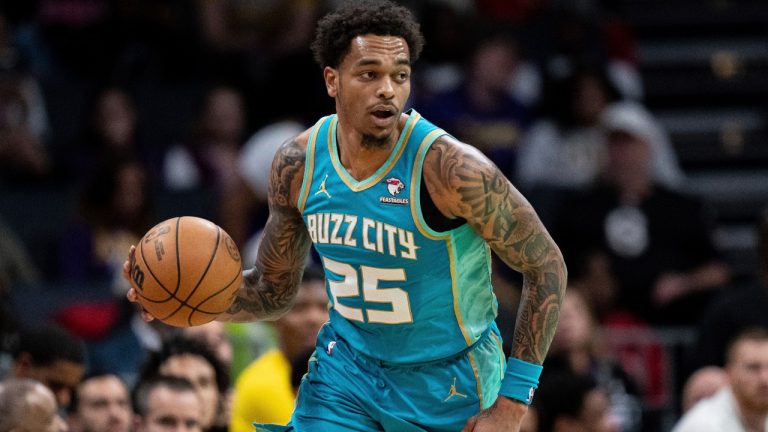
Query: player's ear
331, 77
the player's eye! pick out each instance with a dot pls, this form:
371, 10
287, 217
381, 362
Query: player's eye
368, 75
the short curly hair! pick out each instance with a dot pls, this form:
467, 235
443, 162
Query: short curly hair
179, 345
336, 30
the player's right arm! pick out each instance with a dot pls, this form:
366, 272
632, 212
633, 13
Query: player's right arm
269, 288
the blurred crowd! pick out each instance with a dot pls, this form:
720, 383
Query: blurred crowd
126, 104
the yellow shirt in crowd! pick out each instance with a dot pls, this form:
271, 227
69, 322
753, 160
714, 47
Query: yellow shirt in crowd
263, 393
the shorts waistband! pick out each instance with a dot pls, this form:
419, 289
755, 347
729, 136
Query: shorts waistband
385, 364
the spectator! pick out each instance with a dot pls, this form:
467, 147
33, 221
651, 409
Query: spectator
299, 368
590, 273
264, 392
214, 335
565, 149
13, 66
572, 34
53, 357
168, 403
266, 43
114, 123
110, 135
634, 118
741, 406
23, 119
27, 405
190, 359
734, 311
575, 348
246, 201
658, 241
446, 28
481, 109
127, 344
702, 384
115, 211
101, 403
16, 269
207, 158
15, 264
72, 47
567, 402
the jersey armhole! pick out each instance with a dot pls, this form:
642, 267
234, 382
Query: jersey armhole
309, 165
429, 220
433, 217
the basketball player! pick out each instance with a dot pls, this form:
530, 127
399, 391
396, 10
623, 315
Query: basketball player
404, 217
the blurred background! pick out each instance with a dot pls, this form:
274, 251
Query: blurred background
115, 115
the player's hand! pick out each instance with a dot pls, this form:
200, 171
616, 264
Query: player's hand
132, 296
504, 415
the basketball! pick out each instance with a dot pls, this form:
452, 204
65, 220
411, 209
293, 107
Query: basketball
186, 271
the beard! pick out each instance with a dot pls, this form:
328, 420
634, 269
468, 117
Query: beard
369, 141
373, 142
753, 399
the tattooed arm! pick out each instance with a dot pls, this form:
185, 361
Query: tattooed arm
269, 288
465, 184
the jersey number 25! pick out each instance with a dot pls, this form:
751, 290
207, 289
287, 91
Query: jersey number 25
369, 279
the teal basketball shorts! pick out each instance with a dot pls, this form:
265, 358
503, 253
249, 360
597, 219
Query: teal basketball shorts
345, 390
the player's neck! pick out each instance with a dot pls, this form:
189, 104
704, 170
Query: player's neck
360, 160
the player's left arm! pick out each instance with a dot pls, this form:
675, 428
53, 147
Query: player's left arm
463, 183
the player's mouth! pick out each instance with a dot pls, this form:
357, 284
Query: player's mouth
383, 115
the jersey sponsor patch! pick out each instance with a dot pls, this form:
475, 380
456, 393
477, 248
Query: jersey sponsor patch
394, 187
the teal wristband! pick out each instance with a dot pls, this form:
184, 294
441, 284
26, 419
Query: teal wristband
521, 380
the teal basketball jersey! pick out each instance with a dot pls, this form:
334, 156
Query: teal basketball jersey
399, 291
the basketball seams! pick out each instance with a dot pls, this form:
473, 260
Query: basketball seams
207, 267
183, 302
178, 259
212, 295
151, 272
203, 296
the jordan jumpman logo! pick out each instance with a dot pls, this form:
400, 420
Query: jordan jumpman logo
322, 189
453, 392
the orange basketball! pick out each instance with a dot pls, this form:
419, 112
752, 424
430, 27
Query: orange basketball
186, 271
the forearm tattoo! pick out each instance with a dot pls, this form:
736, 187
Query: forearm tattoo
270, 287
477, 191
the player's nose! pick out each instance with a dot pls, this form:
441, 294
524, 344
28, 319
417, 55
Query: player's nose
386, 89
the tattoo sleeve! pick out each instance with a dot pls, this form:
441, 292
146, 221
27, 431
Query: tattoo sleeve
270, 287
463, 183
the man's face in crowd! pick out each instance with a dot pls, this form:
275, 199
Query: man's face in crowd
172, 411
103, 406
